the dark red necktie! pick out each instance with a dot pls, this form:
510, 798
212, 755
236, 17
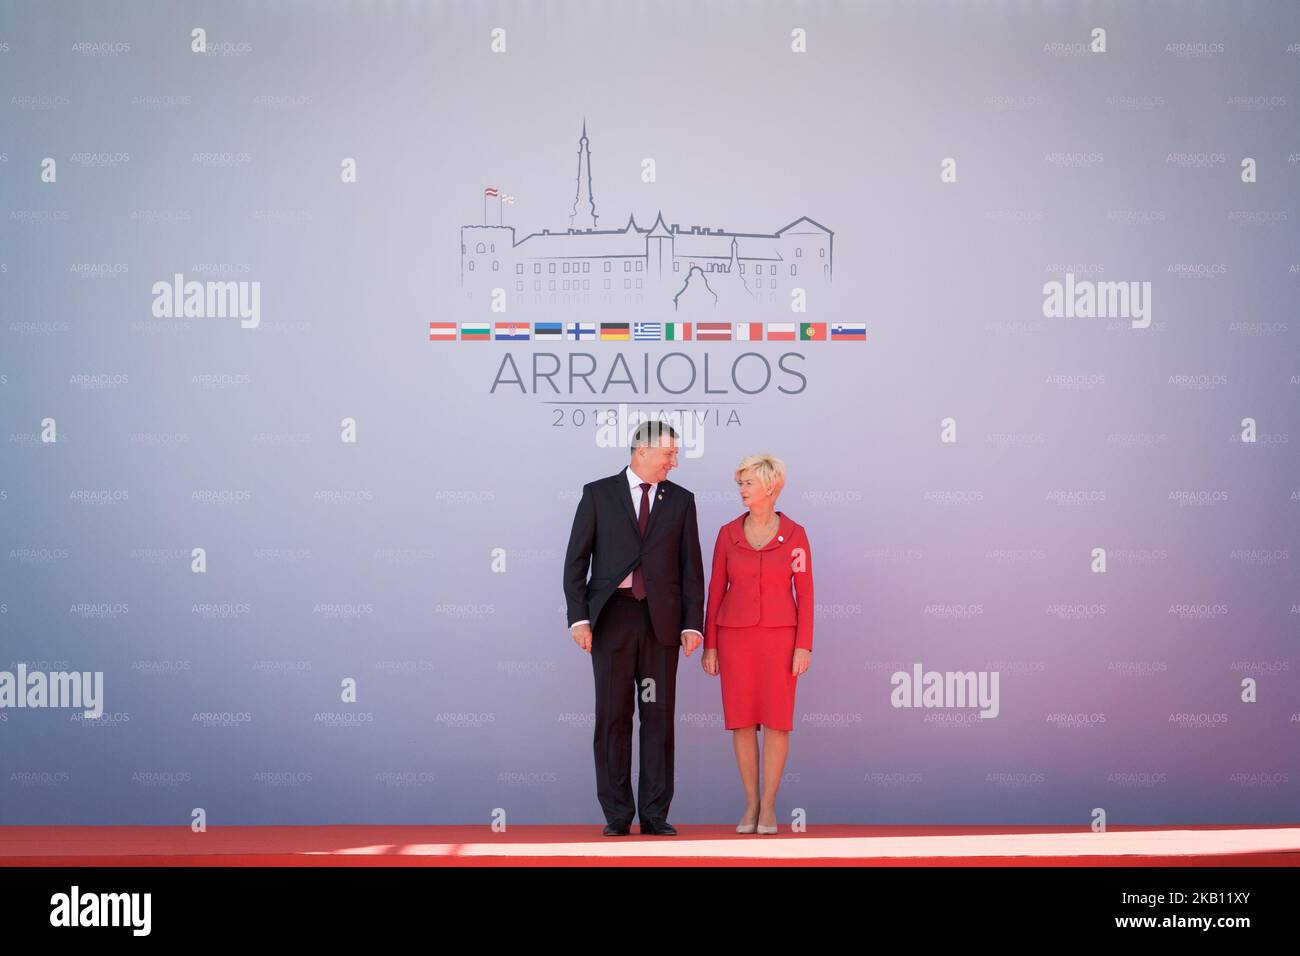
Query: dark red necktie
642, 519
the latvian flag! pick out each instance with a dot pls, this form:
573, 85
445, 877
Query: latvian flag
442, 331
782, 332
613, 332
552, 331
812, 331
647, 331
514, 331
848, 331
713, 331
677, 331
749, 331
577, 331
475, 331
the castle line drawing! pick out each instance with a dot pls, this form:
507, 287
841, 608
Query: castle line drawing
663, 265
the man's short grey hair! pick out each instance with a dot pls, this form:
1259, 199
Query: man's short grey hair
651, 433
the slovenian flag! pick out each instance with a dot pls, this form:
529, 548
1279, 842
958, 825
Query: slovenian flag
848, 331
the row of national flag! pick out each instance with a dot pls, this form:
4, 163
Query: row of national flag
649, 331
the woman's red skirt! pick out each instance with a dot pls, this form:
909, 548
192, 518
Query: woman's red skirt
754, 666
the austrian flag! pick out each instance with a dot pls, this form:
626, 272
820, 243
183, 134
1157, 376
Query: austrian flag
442, 331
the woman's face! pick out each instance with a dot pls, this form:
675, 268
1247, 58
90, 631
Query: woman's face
752, 493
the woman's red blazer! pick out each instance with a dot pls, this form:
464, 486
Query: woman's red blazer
753, 588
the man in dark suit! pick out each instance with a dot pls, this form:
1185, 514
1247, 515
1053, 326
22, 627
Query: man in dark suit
645, 600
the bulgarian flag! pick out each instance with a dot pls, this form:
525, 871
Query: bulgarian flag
475, 332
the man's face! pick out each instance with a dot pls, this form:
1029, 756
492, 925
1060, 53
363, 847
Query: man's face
653, 462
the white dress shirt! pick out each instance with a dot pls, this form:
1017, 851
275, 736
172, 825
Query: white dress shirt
634, 483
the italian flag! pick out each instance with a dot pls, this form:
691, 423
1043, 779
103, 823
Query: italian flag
677, 331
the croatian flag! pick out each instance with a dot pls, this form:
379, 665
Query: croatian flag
514, 331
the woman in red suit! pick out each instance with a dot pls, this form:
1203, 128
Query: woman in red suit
757, 633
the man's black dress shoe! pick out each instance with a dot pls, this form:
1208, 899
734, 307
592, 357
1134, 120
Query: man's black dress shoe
612, 830
659, 829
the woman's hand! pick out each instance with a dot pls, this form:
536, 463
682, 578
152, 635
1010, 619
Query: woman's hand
710, 662
800, 663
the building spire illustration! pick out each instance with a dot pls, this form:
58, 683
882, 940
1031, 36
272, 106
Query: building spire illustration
584, 173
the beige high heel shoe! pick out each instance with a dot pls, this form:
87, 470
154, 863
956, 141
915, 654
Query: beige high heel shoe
763, 829
745, 827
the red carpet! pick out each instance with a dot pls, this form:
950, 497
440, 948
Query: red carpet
694, 846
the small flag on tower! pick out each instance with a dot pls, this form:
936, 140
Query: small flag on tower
490, 191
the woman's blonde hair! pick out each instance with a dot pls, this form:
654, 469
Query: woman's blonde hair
768, 469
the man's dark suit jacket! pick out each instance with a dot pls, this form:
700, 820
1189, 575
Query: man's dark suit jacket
605, 531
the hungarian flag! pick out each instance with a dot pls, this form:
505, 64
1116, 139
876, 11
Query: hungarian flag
812, 331
848, 331
749, 331
713, 331
442, 331
781, 332
677, 331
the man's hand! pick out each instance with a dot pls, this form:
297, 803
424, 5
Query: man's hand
690, 641
582, 636
710, 662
